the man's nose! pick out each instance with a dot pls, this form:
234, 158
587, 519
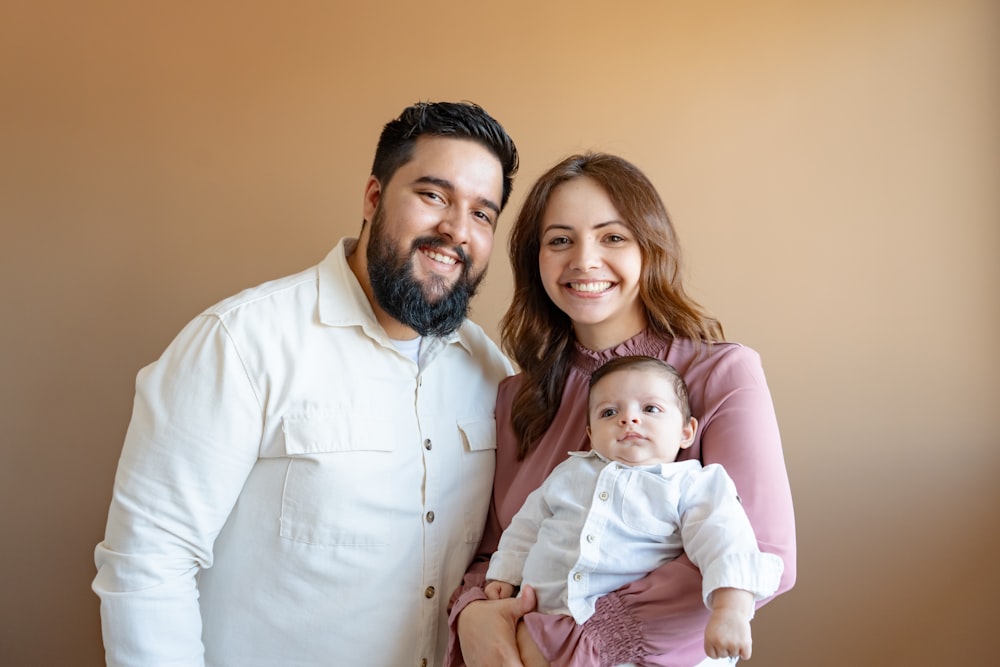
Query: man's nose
454, 225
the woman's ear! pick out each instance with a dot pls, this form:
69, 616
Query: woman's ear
688, 433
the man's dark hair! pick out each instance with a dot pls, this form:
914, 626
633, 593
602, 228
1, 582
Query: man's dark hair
460, 120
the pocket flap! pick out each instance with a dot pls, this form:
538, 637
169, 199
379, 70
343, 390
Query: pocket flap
479, 434
317, 434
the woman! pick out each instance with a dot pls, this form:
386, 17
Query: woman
597, 275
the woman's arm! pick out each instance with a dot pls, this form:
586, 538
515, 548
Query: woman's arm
471, 590
482, 631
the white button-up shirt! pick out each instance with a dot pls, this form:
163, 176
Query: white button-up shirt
295, 491
595, 525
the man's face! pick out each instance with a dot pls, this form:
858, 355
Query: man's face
431, 235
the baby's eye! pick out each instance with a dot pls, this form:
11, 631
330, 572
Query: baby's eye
652, 409
608, 412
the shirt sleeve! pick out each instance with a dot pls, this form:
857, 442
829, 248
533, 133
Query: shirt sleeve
660, 619
194, 436
718, 538
507, 562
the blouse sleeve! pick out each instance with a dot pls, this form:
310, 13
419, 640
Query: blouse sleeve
660, 619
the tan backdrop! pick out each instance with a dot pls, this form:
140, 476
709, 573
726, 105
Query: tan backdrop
833, 169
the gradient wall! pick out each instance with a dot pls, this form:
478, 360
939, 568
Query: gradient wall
833, 169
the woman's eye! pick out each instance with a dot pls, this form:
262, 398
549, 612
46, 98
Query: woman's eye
615, 238
558, 241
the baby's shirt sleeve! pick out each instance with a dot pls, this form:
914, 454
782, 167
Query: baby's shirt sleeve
719, 539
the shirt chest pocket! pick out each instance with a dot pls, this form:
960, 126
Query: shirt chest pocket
478, 466
340, 486
648, 507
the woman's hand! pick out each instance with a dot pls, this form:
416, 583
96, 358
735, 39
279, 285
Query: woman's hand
487, 630
531, 655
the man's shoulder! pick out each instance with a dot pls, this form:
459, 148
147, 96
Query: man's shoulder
296, 289
270, 294
480, 345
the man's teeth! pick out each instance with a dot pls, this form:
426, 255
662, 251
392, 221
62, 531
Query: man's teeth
591, 287
438, 257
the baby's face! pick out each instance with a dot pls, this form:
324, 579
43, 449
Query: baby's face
635, 419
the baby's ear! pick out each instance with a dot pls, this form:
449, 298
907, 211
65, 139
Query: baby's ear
688, 432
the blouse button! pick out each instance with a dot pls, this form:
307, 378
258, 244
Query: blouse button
430, 517
591, 538
427, 444
429, 592
603, 495
577, 576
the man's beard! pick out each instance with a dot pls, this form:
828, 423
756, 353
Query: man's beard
431, 309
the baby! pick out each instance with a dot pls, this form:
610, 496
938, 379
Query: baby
609, 516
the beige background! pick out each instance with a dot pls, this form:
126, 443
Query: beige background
833, 169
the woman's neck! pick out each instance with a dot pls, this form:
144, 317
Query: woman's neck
600, 337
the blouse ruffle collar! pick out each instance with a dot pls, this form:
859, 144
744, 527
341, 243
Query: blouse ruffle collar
645, 343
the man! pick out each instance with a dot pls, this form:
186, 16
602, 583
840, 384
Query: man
307, 470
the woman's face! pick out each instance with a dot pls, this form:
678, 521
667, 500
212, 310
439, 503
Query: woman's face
590, 263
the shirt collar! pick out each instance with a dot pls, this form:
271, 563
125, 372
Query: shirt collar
659, 468
343, 302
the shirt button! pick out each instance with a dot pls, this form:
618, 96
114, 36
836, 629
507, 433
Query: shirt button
429, 592
577, 576
603, 495
430, 517
427, 444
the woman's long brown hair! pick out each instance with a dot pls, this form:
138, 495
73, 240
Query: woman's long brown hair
539, 336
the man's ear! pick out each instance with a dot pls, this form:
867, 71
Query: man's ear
688, 433
373, 194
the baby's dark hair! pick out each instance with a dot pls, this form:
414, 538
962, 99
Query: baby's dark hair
653, 364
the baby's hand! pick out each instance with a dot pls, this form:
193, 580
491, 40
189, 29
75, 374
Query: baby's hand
727, 635
499, 590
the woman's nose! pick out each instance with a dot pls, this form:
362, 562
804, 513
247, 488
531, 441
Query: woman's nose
586, 257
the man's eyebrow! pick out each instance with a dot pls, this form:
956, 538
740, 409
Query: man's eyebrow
445, 184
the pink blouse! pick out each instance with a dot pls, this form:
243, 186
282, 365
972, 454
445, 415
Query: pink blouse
659, 619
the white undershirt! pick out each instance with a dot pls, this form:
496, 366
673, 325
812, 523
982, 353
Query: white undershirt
409, 348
